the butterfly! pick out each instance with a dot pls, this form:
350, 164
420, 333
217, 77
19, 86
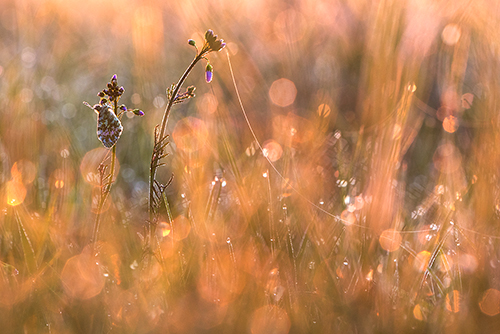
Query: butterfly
109, 127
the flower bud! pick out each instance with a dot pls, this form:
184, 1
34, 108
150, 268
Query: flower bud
209, 35
192, 42
209, 73
138, 112
222, 44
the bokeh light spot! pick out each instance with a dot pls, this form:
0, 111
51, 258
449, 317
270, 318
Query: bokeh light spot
290, 26
417, 313
207, 104
135, 98
272, 150
90, 164
348, 218
232, 48
324, 110
283, 92
445, 263
190, 134
421, 261
411, 87
23, 171
359, 202
490, 303
164, 229
451, 34
81, 277
390, 240
453, 301
447, 158
450, 124
468, 263
180, 228
159, 101
16, 192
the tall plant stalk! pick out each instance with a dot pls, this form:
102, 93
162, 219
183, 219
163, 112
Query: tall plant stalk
156, 189
109, 130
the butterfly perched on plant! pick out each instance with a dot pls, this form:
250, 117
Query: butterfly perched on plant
109, 127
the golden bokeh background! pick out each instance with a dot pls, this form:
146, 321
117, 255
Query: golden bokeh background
354, 187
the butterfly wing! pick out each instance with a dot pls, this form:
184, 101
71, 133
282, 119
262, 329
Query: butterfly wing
109, 127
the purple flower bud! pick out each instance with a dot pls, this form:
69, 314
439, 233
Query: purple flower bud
123, 107
209, 73
222, 44
138, 112
192, 42
209, 35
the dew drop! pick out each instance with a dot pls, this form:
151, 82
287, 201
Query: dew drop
411, 88
347, 200
64, 153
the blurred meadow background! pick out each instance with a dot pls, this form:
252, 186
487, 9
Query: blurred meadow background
362, 195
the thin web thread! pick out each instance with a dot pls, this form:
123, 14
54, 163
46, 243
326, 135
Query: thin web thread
336, 217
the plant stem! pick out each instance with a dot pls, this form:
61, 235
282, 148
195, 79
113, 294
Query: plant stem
161, 137
107, 189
